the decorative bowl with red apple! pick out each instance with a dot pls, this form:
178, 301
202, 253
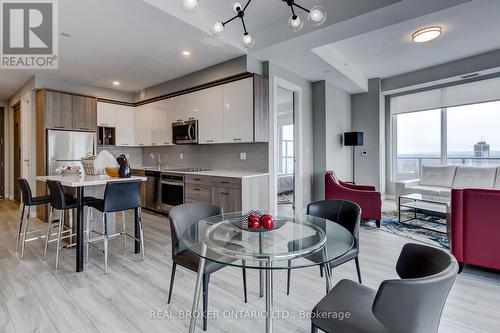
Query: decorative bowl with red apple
257, 221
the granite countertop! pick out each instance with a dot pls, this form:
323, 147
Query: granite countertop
208, 173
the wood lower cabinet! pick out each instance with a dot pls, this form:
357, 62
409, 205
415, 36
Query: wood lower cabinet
231, 194
197, 193
229, 199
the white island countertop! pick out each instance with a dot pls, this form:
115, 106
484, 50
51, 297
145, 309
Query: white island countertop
86, 180
208, 173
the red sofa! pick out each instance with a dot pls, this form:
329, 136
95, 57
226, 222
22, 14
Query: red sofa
475, 227
366, 197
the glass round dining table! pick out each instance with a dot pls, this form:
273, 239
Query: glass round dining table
297, 242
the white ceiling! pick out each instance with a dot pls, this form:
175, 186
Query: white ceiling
468, 29
139, 42
125, 40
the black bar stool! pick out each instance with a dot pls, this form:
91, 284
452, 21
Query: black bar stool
28, 202
61, 202
118, 197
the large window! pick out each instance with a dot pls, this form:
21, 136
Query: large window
463, 135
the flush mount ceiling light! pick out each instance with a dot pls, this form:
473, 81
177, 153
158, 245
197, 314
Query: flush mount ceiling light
186, 53
116, 83
426, 34
190, 6
316, 16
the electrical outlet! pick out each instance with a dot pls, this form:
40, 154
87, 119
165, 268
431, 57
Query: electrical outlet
364, 153
243, 156
181, 156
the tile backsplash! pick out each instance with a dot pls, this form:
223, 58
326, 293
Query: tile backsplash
218, 156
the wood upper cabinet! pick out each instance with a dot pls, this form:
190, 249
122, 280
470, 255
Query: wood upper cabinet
84, 113
238, 111
209, 103
106, 114
125, 125
58, 110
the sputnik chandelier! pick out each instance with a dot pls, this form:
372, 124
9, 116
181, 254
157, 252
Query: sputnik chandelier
316, 16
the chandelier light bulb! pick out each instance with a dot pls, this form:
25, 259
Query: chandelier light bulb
190, 6
317, 15
247, 40
217, 28
295, 23
236, 6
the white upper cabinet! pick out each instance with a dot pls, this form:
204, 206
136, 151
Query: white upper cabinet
161, 122
179, 108
106, 114
143, 121
207, 108
238, 111
125, 126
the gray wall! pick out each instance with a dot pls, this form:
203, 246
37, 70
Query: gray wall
43, 81
366, 117
332, 117
213, 73
271, 71
449, 71
220, 156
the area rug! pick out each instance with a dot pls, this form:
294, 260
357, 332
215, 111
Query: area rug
391, 224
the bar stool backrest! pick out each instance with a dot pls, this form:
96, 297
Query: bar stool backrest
25, 191
123, 195
57, 196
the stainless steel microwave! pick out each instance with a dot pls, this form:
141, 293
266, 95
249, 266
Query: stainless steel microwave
185, 132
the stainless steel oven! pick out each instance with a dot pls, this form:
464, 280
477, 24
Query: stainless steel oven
185, 132
172, 191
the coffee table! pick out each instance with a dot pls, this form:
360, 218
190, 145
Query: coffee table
428, 204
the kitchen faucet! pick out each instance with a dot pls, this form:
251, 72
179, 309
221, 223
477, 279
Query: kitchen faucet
153, 156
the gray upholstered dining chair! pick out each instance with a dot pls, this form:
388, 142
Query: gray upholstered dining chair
412, 304
345, 213
181, 217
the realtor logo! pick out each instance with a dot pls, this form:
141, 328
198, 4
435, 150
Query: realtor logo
29, 34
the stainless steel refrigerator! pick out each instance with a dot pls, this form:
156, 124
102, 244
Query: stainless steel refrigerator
67, 148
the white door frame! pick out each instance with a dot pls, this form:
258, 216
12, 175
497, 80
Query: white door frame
273, 145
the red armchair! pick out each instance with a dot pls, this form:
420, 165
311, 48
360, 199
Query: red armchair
475, 227
366, 197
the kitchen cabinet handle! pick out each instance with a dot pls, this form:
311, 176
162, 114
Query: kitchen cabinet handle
153, 143
224, 193
237, 139
210, 140
166, 143
224, 182
197, 179
197, 189
59, 127
104, 124
84, 128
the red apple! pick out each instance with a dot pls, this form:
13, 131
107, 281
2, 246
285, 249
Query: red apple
253, 223
253, 215
267, 221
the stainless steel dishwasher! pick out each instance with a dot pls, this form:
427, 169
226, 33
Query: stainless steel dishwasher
153, 191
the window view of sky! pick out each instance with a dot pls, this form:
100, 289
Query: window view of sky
472, 123
419, 133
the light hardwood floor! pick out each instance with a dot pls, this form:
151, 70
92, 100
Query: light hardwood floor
36, 298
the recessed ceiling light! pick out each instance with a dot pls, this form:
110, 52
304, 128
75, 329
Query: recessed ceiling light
186, 53
426, 34
116, 83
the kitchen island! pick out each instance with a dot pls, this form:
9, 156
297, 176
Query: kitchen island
80, 183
